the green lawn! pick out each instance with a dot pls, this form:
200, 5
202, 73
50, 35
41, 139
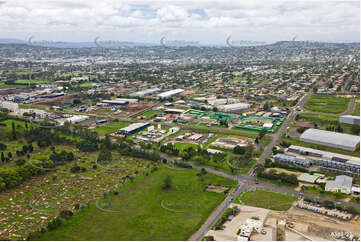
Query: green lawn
327, 104
320, 118
26, 82
356, 111
151, 113
267, 199
111, 127
182, 146
139, 215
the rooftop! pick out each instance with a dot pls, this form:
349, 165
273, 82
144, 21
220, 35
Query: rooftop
338, 140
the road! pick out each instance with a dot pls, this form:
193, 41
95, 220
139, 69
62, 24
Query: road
245, 181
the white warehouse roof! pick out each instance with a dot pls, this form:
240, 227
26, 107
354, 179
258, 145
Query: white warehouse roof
145, 92
332, 139
170, 93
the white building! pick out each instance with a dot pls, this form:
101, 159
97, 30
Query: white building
11, 106
340, 184
349, 119
170, 93
332, 139
75, 119
144, 92
234, 107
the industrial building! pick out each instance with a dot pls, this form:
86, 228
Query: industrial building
330, 162
235, 107
76, 119
340, 184
349, 119
120, 101
133, 128
170, 93
308, 178
313, 153
145, 92
338, 171
174, 111
52, 95
331, 139
293, 160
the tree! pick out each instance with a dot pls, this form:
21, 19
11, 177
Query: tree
355, 129
2, 146
239, 150
266, 106
167, 183
13, 130
104, 156
262, 133
108, 142
76, 101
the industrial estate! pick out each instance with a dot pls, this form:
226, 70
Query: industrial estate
148, 142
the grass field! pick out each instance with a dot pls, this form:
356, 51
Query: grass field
317, 117
267, 199
327, 104
151, 113
356, 111
322, 119
26, 82
182, 146
111, 128
3, 85
139, 214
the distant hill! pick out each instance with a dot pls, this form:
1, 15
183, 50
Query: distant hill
12, 41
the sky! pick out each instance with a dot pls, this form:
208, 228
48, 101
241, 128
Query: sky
205, 22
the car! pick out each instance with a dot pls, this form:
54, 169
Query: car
256, 182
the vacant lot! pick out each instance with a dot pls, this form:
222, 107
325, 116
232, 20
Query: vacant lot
111, 128
327, 104
267, 199
145, 211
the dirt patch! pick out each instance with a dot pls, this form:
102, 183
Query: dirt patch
317, 225
217, 189
280, 170
58, 101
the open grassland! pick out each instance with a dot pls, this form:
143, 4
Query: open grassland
267, 199
146, 211
327, 104
30, 206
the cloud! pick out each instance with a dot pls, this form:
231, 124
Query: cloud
206, 21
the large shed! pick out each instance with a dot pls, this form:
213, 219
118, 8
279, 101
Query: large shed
332, 139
